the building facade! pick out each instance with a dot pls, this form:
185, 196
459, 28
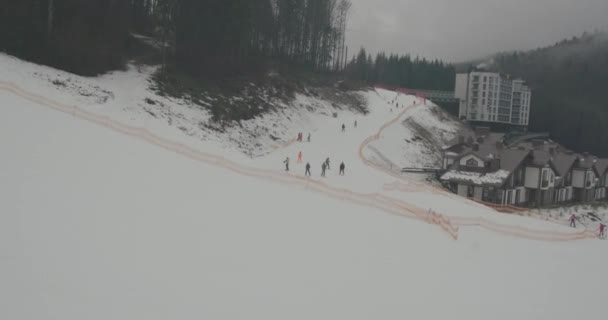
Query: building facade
493, 97
533, 173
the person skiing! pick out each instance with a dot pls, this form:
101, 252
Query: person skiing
573, 221
309, 137
343, 127
602, 231
307, 173
300, 157
342, 167
286, 162
355, 123
327, 163
323, 167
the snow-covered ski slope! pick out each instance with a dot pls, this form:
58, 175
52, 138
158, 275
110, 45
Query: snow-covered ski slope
103, 219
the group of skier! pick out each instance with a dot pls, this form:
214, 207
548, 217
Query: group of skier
324, 166
602, 233
300, 137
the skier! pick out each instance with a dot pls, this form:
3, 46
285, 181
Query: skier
602, 231
286, 162
309, 137
342, 167
307, 173
573, 221
323, 167
355, 123
343, 127
300, 157
327, 163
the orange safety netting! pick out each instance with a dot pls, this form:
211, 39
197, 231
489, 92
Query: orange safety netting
377, 201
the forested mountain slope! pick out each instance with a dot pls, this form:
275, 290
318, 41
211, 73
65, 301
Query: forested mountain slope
569, 81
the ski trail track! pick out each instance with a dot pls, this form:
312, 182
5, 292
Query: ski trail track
450, 226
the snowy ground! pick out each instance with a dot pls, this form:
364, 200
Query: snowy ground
101, 220
417, 140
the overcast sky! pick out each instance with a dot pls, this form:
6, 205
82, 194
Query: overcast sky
459, 30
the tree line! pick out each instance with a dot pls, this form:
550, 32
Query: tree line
82, 36
232, 35
401, 71
569, 98
214, 37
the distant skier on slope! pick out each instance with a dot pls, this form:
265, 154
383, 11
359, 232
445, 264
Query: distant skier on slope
300, 157
342, 168
343, 127
309, 137
355, 123
307, 173
327, 163
323, 167
573, 221
602, 231
286, 162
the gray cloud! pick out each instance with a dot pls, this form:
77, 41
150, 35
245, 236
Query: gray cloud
457, 30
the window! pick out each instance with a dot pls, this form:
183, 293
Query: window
472, 163
471, 191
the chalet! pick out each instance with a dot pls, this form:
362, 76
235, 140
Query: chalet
489, 174
564, 164
601, 167
540, 177
584, 178
529, 172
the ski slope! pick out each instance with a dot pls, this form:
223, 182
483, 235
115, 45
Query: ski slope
101, 219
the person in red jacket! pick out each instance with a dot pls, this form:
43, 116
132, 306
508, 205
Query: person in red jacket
573, 221
300, 157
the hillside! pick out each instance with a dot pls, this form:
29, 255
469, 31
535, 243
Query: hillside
569, 96
110, 210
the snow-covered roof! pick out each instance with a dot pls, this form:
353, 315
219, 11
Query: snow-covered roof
495, 178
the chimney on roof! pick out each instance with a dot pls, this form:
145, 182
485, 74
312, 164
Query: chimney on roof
476, 147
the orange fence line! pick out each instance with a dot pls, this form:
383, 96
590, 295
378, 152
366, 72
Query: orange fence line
376, 201
465, 222
371, 200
